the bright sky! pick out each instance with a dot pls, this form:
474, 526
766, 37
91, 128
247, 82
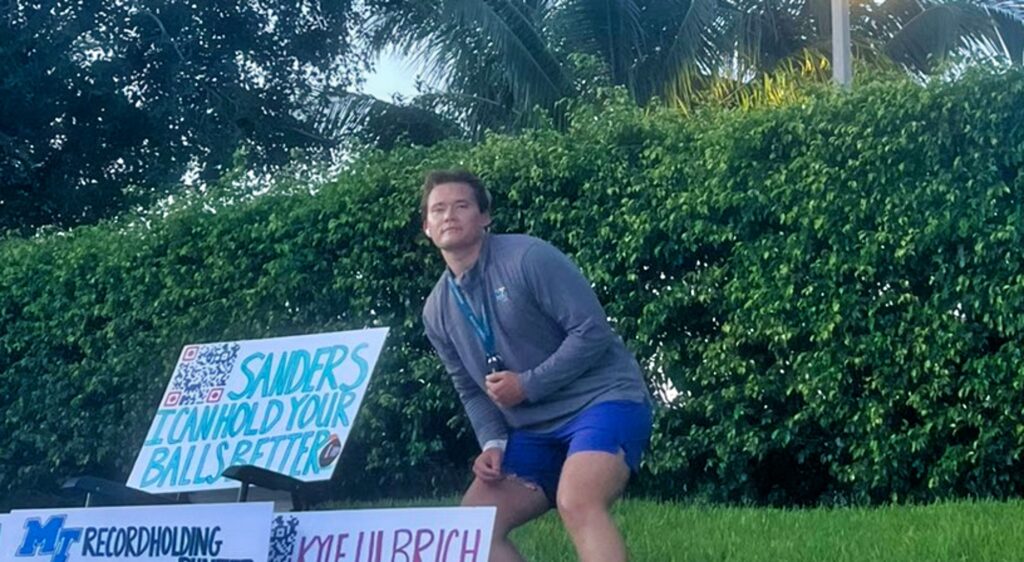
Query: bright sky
394, 75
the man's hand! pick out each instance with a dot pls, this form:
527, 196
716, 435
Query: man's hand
505, 388
487, 466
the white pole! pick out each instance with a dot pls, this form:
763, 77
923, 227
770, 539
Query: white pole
842, 53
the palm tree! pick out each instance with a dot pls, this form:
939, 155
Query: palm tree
496, 60
493, 61
914, 33
789, 42
919, 34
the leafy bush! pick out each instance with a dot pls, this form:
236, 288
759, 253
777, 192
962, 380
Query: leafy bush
831, 291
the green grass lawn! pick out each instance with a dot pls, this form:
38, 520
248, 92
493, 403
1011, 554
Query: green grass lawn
969, 531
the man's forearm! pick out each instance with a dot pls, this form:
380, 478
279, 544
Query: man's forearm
575, 356
487, 421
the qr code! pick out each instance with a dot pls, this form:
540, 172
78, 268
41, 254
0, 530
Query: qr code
282, 539
202, 369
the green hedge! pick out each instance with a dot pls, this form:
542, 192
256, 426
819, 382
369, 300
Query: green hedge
834, 288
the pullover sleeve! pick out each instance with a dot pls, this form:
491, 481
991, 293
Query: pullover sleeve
566, 296
487, 421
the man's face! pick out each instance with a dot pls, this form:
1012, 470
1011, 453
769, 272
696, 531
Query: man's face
454, 220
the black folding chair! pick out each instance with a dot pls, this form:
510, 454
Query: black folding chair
250, 475
103, 492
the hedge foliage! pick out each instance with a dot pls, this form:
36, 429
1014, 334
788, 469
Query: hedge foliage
834, 289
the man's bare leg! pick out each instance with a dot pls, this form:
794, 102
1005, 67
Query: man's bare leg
590, 483
516, 502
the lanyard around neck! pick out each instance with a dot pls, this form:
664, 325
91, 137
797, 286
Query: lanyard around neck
480, 324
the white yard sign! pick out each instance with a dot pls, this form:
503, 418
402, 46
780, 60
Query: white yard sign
457, 534
284, 404
237, 532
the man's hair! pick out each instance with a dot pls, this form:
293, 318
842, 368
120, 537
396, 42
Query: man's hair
435, 178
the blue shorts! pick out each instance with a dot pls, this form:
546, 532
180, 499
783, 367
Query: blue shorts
537, 457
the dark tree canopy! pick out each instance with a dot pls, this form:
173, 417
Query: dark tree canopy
105, 104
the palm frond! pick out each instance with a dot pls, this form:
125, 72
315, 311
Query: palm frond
1008, 16
787, 83
610, 28
924, 32
535, 74
463, 71
340, 114
819, 12
401, 26
768, 33
886, 19
695, 49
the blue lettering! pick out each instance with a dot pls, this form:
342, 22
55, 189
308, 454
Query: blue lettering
222, 427
184, 481
252, 379
257, 450
276, 441
222, 448
296, 371
303, 449
242, 413
326, 410
101, 540
50, 538
273, 413
154, 473
292, 438
242, 449
87, 544
348, 398
171, 470
364, 368
197, 477
192, 423
299, 364
161, 417
307, 414
173, 435
320, 366
280, 377
250, 420
313, 460
206, 424
328, 375
294, 414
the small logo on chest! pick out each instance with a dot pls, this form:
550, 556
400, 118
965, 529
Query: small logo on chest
501, 294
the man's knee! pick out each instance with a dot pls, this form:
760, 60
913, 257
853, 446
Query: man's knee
510, 499
475, 497
576, 506
472, 498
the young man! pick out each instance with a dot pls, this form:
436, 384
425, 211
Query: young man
557, 402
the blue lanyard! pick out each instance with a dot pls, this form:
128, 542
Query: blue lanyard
479, 323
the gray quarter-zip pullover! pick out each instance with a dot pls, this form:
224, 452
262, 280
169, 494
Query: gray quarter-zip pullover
548, 326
